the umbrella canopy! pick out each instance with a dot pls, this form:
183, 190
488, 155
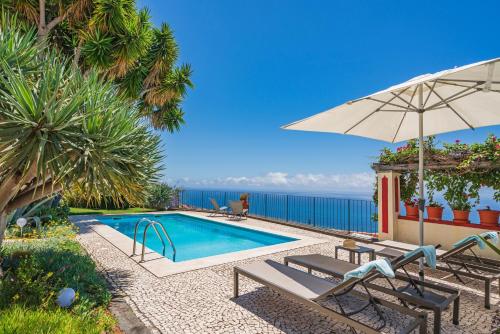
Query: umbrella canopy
455, 99
466, 97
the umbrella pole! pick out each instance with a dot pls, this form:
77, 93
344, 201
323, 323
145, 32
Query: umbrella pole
421, 202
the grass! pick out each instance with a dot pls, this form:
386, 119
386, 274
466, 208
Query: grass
35, 271
84, 211
18, 319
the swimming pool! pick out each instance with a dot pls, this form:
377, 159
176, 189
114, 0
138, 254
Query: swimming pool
194, 237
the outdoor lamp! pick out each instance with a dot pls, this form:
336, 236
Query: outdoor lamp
66, 297
21, 222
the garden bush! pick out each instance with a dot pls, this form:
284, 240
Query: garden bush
161, 196
36, 270
54, 221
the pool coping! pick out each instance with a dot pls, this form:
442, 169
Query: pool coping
161, 266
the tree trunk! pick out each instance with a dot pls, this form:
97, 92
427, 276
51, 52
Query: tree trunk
3, 226
42, 25
78, 52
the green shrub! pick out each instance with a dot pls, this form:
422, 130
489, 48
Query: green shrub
35, 271
161, 196
18, 319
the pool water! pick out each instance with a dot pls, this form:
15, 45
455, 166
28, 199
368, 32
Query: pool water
193, 237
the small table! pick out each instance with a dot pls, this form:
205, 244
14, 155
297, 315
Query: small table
358, 250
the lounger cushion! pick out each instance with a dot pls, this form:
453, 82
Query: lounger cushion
403, 246
390, 252
293, 281
331, 265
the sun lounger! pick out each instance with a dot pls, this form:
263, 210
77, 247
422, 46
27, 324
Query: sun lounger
218, 210
457, 264
412, 293
237, 211
312, 291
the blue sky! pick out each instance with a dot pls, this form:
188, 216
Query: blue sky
261, 64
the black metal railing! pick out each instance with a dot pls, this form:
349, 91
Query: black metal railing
350, 215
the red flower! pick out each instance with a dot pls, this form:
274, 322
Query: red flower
498, 146
494, 138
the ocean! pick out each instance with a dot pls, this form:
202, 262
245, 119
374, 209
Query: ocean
346, 211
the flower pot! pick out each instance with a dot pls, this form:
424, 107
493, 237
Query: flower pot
411, 210
488, 217
461, 216
434, 212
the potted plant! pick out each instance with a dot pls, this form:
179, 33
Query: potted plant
462, 195
488, 217
434, 211
408, 186
434, 208
411, 206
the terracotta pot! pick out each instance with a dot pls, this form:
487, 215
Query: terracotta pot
488, 217
461, 216
411, 210
434, 212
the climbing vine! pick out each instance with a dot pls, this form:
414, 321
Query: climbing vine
458, 169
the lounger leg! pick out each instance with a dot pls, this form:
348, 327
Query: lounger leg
437, 321
456, 310
423, 326
487, 293
235, 284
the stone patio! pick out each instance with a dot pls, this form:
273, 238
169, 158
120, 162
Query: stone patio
200, 301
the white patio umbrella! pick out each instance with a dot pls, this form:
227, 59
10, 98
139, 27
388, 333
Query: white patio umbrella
465, 97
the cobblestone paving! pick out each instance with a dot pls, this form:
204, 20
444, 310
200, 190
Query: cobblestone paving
201, 301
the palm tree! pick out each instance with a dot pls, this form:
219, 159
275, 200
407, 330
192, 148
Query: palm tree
59, 129
121, 43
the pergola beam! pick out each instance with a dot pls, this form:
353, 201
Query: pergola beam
477, 167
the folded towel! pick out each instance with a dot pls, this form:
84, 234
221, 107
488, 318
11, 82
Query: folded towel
429, 254
492, 235
478, 240
382, 265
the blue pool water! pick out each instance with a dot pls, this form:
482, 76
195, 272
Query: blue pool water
194, 237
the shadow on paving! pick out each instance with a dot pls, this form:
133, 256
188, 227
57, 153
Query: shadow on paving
292, 317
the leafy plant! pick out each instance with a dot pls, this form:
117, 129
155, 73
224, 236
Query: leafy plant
432, 185
466, 168
59, 129
408, 187
119, 42
459, 192
161, 196
35, 272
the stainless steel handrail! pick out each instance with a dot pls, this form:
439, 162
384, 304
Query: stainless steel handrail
144, 239
135, 232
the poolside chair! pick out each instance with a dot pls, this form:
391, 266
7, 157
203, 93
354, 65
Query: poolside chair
237, 211
412, 293
313, 291
218, 210
458, 265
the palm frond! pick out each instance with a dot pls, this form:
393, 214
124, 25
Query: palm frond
71, 129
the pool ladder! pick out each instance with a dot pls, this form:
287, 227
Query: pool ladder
154, 224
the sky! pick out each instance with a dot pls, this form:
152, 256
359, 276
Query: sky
258, 65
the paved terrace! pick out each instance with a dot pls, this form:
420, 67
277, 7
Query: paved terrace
200, 301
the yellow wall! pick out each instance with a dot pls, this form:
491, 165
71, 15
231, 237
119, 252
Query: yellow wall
446, 235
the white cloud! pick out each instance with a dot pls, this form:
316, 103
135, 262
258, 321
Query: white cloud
280, 180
